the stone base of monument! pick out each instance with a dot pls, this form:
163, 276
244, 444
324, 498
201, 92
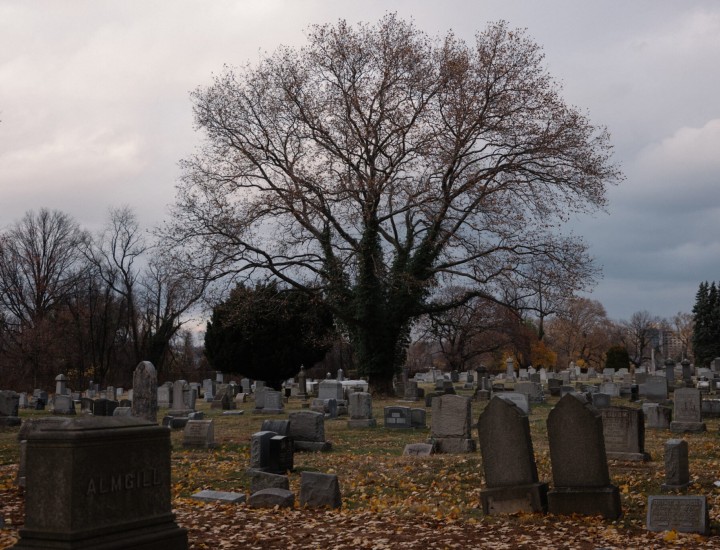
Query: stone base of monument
99, 483
682, 487
179, 412
586, 501
362, 423
519, 498
268, 411
692, 427
313, 446
10, 421
634, 457
453, 445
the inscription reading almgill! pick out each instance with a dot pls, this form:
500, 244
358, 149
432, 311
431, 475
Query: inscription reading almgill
130, 481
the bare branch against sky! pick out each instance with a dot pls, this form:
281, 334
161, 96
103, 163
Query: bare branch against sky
95, 111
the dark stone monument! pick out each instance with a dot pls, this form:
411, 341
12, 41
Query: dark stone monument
579, 464
624, 433
511, 477
677, 470
101, 483
319, 490
397, 417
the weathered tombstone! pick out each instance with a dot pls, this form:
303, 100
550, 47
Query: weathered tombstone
533, 390
450, 429
63, 404
23, 401
511, 477
99, 483
581, 477
9, 405
260, 450
280, 427
657, 416
272, 497
61, 385
418, 449
302, 385
677, 470
509, 369
307, 430
610, 388
418, 418
624, 433
600, 400
654, 388
260, 480
686, 371
686, 514
670, 372
179, 406
199, 433
206, 495
122, 411
145, 392
164, 396
397, 417
519, 399
330, 389
554, 386
273, 402
319, 490
360, 409
411, 391
687, 411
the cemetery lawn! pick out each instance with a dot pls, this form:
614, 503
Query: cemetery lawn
393, 501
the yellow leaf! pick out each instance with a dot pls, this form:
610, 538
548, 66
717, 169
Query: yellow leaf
670, 536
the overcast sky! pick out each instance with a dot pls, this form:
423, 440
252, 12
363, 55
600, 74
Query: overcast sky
95, 110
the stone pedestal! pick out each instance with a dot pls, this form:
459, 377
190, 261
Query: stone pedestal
590, 501
100, 483
511, 500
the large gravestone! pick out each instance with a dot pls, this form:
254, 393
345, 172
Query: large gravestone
307, 430
579, 464
654, 388
179, 405
144, 403
101, 483
624, 433
687, 411
360, 410
510, 472
63, 404
397, 417
450, 429
519, 399
331, 389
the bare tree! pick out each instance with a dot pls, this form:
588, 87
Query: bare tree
641, 332
40, 265
378, 163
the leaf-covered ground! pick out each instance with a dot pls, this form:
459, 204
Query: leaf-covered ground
392, 501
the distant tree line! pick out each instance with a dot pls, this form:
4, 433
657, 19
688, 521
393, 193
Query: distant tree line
89, 306
706, 333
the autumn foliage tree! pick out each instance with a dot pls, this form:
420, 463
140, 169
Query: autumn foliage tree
377, 164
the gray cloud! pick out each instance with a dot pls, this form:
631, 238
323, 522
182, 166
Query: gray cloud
95, 110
